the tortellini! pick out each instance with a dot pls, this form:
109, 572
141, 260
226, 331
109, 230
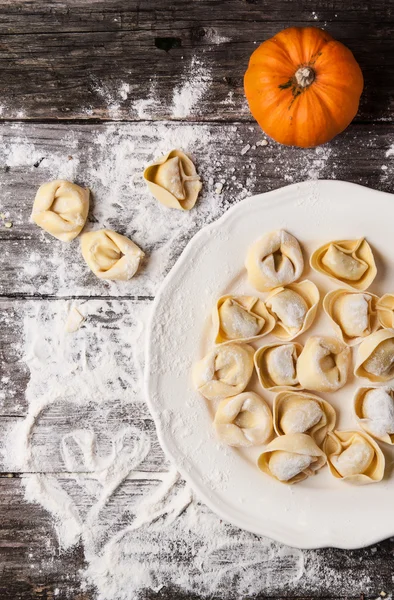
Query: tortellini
291, 458
276, 366
173, 180
274, 260
354, 457
110, 255
243, 420
385, 310
323, 364
294, 308
61, 208
353, 314
240, 318
347, 261
224, 372
375, 358
300, 412
374, 408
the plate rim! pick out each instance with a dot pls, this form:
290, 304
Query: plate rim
286, 537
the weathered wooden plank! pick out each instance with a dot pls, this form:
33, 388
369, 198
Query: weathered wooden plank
110, 159
56, 428
99, 367
75, 15
74, 61
33, 567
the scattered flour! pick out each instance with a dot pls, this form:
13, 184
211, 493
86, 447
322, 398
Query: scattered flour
134, 537
101, 472
110, 488
189, 93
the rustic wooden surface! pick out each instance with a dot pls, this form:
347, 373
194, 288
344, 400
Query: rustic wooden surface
63, 65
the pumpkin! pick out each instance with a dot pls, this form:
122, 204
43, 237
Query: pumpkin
303, 87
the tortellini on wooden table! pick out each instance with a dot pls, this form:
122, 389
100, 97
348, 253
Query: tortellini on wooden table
61, 208
274, 260
347, 261
110, 255
353, 314
224, 372
354, 456
243, 420
374, 409
173, 180
241, 319
301, 412
276, 366
375, 357
291, 458
294, 308
323, 364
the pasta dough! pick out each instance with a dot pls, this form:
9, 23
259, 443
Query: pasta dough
353, 314
173, 180
323, 364
374, 408
385, 310
291, 458
224, 372
110, 255
375, 358
276, 366
354, 457
301, 412
243, 420
347, 261
274, 260
294, 308
240, 318
61, 208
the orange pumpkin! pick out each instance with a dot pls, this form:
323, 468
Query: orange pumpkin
303, 87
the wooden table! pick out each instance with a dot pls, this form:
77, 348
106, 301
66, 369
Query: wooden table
74, 70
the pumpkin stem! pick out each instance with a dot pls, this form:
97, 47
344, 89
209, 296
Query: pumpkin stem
305, 76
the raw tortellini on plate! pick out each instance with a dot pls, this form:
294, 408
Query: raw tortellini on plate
224, 372
385, 310
301, 412
347, 261
274, 260
354, 457
353, 314
375, 357
291, 458
374, 408
241, 319
323, 364
276, 366
61, 208
294, 308
110, 255
173, 180
243, 420
303, 423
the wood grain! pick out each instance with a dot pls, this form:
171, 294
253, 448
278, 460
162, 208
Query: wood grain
64, 60
84, 63
34, 567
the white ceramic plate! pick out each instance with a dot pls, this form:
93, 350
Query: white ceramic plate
321, 511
